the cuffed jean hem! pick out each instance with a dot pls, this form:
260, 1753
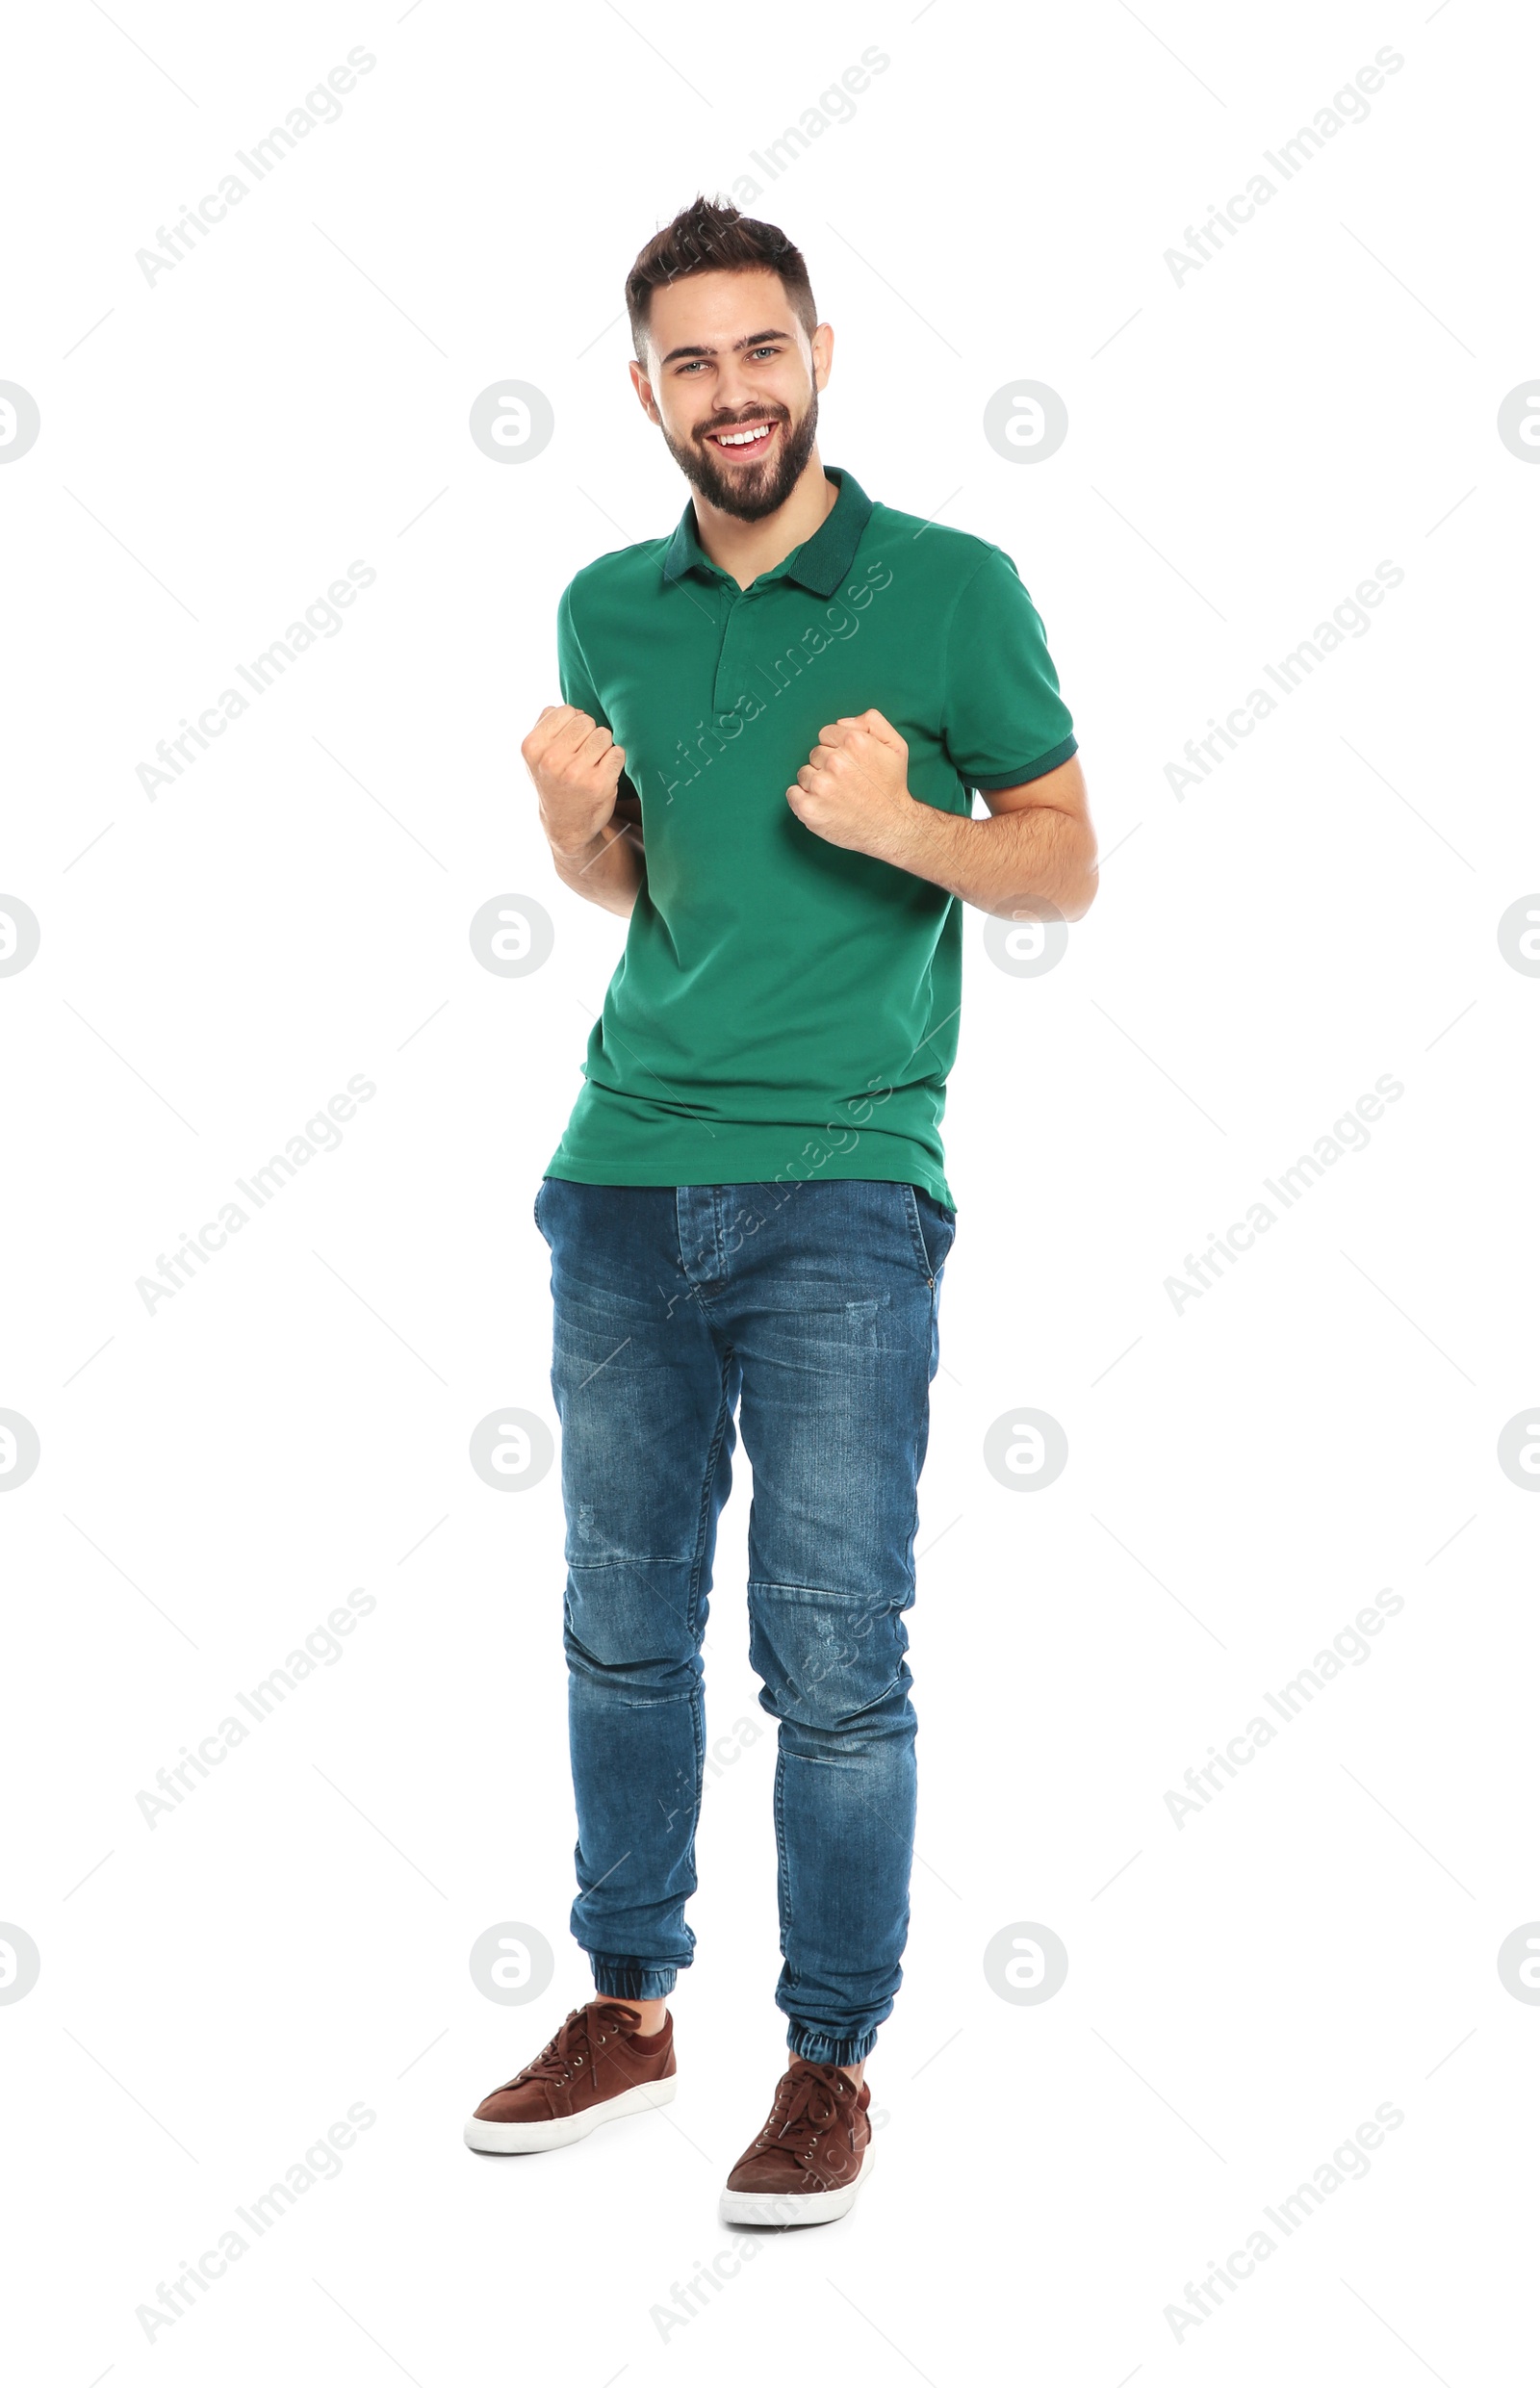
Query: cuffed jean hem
818, 2048
614, 1977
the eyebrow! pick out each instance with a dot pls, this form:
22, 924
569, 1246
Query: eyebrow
750, 340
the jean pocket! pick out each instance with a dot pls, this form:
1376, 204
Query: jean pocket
933, 1227
535, 1213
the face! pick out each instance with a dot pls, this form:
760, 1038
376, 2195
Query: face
732, 380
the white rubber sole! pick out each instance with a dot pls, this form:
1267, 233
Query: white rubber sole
534, 2139
795, 2211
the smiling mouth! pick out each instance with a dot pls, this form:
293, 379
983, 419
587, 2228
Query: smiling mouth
742, 439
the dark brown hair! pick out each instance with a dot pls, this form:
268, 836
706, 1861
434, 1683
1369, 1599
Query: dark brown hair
710, 235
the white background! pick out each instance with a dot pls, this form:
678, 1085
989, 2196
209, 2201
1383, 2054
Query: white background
1245, 447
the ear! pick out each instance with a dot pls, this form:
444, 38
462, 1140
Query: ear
644, 392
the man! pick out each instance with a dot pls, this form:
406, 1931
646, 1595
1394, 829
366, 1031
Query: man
773, 725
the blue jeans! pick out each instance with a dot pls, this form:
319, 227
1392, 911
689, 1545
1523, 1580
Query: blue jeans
811, 1309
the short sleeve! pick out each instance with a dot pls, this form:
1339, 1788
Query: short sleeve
1003, 720
572, 665
576, 681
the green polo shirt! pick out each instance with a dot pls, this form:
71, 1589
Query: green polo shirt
785, 1009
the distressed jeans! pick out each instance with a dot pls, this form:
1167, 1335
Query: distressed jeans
809, 1311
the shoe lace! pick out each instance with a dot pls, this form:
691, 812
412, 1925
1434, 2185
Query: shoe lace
577, 2040
807, 2104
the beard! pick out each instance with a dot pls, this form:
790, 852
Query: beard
749, 491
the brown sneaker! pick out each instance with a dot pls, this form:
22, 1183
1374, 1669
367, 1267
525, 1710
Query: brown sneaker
812, 2155
596, 2069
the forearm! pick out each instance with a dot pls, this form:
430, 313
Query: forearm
1003, 864
609, 870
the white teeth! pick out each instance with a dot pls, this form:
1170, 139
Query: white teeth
743, 439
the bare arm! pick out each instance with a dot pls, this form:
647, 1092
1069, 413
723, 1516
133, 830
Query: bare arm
1039, 842
592, 824
1038, 846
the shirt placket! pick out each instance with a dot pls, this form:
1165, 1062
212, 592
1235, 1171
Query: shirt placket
745, 611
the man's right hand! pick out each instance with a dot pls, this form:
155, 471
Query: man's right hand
594, 831
576, 766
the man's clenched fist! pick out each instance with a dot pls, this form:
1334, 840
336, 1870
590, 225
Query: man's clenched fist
576, 766
854, 787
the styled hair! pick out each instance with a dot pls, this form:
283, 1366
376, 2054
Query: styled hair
710, 235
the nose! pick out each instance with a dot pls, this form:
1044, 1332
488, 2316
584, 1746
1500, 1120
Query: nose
737, 395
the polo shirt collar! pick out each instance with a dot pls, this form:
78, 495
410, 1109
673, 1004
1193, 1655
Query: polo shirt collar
819, 564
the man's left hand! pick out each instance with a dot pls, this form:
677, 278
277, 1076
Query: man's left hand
853, 790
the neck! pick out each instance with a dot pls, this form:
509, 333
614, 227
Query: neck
745, 549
